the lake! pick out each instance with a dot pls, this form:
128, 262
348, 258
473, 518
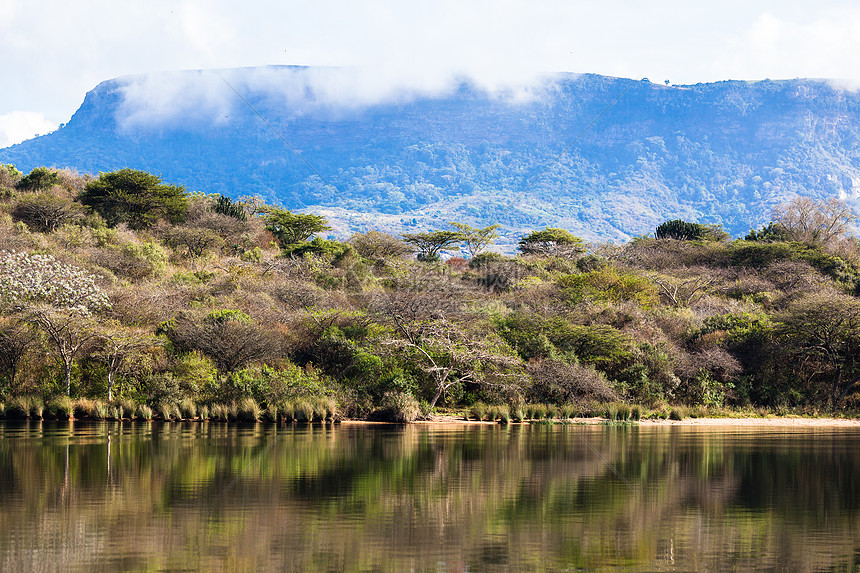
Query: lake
147, 496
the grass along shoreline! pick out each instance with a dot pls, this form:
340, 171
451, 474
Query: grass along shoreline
326, 410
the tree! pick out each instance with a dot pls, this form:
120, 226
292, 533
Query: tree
449, 356
136, 198
378, 246
229, 337
823, 330
56, 297
195, 241
814, 222
46, 212
16, 337
290, 228
476, 239
685, 231
118, 347
430, 243
552, 242
39, 179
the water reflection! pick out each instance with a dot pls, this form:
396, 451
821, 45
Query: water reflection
179, 497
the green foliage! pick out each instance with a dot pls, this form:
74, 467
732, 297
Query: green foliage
772, 232
334, 249
476, 239
39, 179
226, 206
291, 228
608, 284
135, 198
552, 242
429, 244
685, 231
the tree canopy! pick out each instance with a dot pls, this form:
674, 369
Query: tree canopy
552, 242
292, 228
136, 198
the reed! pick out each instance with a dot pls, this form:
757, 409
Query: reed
271, 413
129, 407
145, 412
636, 412
204, 412
622, 412
678, 413
478, 411
61, 408
248, 410
188, 409
304, 412
288, 411
517, 414
504, 414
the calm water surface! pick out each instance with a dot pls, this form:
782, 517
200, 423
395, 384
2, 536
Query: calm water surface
210, 497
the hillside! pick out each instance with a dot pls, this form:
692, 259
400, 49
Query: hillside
717, 153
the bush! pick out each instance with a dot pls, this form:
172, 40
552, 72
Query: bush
398, 407
46, 212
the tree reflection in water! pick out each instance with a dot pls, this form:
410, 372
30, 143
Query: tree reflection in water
150, 496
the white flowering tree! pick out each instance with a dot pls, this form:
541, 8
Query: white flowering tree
57, 297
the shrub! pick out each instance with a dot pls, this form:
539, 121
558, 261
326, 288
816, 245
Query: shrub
46, 212
398, 407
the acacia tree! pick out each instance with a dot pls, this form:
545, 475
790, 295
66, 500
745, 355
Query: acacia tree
136, 198
476, 239
430, 243
292, 228
56, 297
552, 242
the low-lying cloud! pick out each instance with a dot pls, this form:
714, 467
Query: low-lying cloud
212, 96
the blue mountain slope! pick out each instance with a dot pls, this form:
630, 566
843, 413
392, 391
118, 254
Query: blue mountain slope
723, 152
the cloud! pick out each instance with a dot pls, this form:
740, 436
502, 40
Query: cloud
211, 96
17, 126
796, 45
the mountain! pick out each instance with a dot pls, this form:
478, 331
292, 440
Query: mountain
607, 158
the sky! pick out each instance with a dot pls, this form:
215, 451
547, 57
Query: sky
53, 51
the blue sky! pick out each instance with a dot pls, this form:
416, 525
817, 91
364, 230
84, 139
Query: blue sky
52, 51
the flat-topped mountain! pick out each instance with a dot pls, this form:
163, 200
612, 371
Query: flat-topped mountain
604, 157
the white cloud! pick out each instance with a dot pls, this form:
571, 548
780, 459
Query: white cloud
17, 126
54, 52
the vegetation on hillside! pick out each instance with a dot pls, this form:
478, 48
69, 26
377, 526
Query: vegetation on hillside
185, 303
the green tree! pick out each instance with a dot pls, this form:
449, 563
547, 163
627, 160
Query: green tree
476, 239
136, 198
552, 242
685, 231
39, 179
291, 228
822, 330
430, 243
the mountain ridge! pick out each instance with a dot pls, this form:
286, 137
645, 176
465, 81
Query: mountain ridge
560, 153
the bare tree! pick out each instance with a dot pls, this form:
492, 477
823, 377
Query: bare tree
450, 355
814, 222
119, 347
